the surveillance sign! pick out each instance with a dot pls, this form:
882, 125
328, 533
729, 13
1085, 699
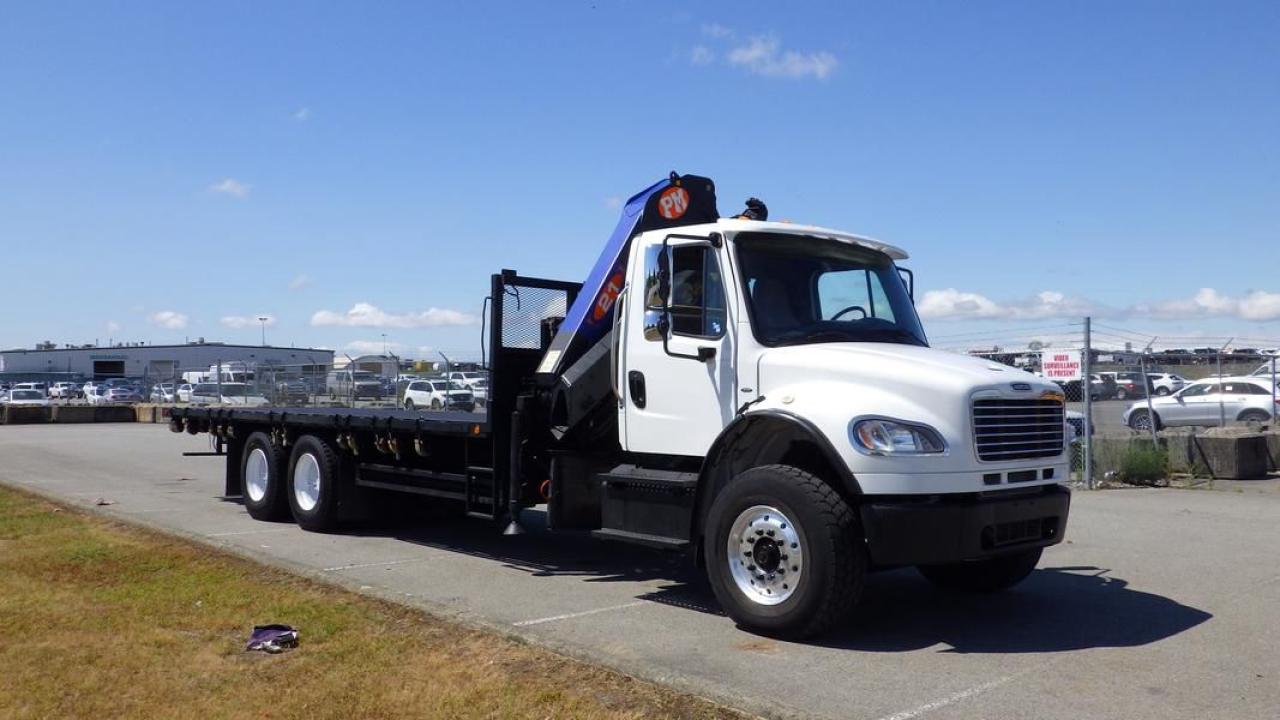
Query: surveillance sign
1060, 365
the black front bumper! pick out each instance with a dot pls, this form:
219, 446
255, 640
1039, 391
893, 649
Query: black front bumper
944, 528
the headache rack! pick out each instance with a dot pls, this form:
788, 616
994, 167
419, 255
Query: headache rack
1018, 429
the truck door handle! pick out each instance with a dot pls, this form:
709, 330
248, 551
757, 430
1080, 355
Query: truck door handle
635, 386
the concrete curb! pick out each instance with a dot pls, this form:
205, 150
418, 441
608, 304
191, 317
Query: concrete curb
632, 668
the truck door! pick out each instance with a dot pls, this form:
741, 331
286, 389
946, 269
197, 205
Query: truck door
672, 402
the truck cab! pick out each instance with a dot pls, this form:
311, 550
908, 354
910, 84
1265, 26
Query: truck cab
792, 356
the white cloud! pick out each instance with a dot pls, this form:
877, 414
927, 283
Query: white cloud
168, 319
303, 114
299, 281
701, 55
764, 55
953, 304
373, 347
232, 187
364, 314
113, 326
240, 321
716, 30
1258, 305
613, 202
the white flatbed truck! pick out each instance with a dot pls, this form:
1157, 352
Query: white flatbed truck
760, 395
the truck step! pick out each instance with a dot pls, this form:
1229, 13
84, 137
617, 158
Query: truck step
636, 538
647, 506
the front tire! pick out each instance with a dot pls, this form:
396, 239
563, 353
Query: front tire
983, 576
262, 477
783, 552
408, 405
314, 473
1141, 421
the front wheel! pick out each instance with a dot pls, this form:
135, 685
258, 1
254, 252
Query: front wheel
1141, 421
435, 405
783, 552
408, 405
983, 576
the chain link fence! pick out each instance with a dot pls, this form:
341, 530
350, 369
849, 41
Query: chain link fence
1127, 389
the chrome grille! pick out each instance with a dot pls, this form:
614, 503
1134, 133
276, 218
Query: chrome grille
1015, 429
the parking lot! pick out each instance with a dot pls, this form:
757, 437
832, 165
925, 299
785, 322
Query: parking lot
1160, 604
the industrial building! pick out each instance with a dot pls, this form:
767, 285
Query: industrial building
49, 363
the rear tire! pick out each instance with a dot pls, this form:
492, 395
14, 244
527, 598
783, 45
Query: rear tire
435, 404
783, 552
983, 576
408, 405
1254, 416
1162, 391
1122, 394
314, 475
262, 478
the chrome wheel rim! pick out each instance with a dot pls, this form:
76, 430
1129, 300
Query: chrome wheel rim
765, 555
306, 482
1142, 422
256, 475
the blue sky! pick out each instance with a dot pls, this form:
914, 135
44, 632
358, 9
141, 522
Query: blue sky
176, 170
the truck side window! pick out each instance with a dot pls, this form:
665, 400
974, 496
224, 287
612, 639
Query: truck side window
697, 292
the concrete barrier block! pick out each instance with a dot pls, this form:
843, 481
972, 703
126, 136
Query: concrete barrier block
1232, 456
25, 414
1178, 444
144, 413
114, 413
1273, 449
73, 414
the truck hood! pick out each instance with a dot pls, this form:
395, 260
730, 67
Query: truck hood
891, 367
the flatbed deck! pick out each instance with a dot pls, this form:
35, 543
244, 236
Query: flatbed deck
473, 425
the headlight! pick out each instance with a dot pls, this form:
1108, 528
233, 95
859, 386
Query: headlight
879, 436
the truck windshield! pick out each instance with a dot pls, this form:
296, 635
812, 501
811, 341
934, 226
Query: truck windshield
813, 290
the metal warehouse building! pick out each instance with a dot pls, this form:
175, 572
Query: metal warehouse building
150, 361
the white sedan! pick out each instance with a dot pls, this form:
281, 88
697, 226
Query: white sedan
26, 396
1208, 402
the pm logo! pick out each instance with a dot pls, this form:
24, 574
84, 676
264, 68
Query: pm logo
673, 202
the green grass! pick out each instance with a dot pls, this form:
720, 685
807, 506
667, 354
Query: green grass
1142, 464
102, 620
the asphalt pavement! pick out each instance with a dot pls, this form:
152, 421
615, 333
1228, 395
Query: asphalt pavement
1161, 603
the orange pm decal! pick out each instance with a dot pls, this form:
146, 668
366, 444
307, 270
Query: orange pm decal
673, 202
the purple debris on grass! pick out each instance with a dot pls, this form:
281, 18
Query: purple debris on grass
272, 638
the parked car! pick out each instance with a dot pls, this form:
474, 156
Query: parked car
226, 394
1129, 384
355, 384
64, 390
26, 396
37, 386
1208, 402
293, 392
163, 393
1167, 383
438, 395
1100, 388
1075, 426
184, 392
120, 394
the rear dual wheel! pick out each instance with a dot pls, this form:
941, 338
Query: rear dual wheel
314, 473
262, 468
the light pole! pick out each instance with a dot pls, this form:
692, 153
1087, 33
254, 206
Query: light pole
384, 345
263, 319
